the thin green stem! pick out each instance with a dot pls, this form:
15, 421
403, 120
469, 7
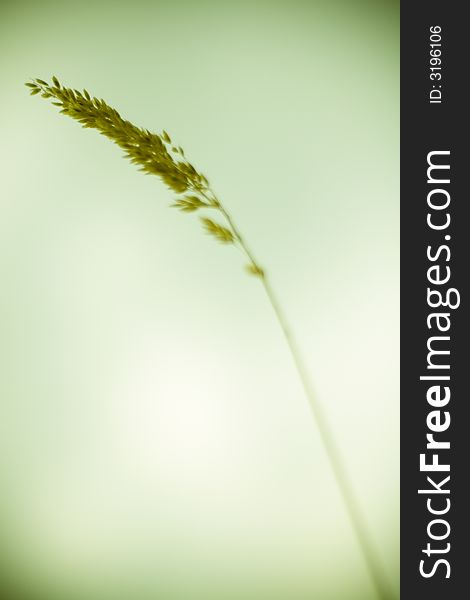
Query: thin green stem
357, 519
353, 509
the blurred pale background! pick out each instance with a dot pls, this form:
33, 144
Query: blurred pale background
154, 438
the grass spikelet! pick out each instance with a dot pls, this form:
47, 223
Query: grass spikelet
221, 233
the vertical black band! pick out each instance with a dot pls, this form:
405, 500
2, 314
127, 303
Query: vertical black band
435, 230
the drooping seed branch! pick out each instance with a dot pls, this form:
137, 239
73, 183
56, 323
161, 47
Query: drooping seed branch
155, 154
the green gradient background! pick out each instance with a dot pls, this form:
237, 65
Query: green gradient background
155, 442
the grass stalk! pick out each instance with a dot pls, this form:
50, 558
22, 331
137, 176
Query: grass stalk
156, 154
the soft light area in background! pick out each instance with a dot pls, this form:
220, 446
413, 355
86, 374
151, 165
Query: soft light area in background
155, 441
